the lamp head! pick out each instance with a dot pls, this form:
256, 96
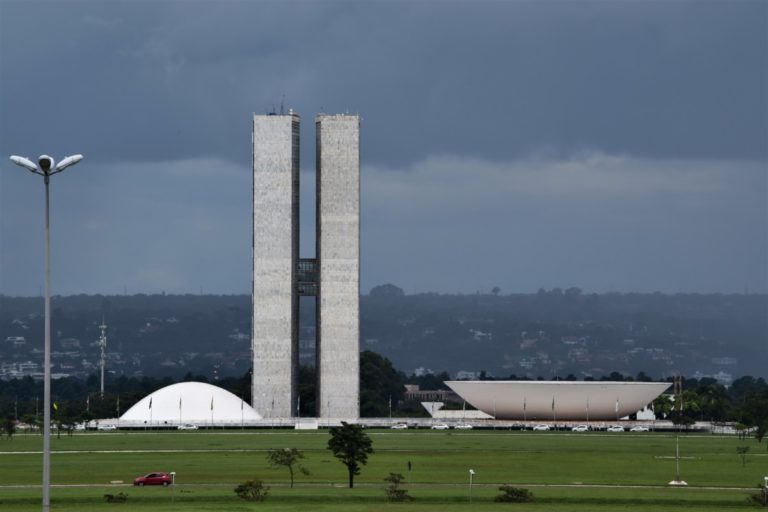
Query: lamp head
24, 162
46, 163
69, 160
471, 471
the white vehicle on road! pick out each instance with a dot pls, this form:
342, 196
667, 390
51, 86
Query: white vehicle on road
187, 426
615, 428
106, 427
639, 428
579, 428
463, 426
541, 428
440, 426
399, 426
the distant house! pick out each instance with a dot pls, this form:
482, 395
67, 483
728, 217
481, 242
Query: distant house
414, 392
70, 343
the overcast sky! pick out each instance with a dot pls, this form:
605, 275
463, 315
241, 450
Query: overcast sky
613, 146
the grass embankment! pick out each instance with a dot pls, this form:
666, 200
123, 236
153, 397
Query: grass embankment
209, 464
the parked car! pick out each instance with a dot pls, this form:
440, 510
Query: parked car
399, 426
541, 427
615, 428
579, 428
158, 478
187, 426
639, 428
463, 426
106, 427
440, 426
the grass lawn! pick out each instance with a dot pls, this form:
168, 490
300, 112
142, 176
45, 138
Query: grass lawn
566, 472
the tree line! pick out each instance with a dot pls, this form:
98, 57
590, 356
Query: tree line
382, 393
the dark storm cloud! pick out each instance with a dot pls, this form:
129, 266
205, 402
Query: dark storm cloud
464, 105
177, 80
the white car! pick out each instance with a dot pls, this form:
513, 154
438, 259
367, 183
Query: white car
541, 427
615, 428
440, 426
463, 426
399, 426
639, 428
579, 428
106, 427
187, 426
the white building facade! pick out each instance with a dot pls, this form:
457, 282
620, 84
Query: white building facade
280, 277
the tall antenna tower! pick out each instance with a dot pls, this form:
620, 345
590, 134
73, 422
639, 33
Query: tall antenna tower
103, 347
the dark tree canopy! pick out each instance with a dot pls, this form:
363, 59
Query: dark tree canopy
351, 446
379, 382
387, 290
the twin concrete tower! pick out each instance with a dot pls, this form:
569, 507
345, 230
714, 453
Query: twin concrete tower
280, 276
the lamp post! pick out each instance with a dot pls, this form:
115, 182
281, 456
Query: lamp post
46, 168
471, 474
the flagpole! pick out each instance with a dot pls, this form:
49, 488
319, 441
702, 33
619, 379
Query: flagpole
554, 414
525, 403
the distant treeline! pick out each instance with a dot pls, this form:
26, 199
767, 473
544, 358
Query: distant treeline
745, 402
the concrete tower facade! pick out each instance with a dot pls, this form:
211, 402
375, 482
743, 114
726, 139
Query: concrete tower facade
280, 276
338, 255
274, 328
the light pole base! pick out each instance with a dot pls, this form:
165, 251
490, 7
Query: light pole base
678, 483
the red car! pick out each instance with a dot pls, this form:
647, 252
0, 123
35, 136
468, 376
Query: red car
158, 478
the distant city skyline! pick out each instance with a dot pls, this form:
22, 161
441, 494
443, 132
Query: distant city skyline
525, 145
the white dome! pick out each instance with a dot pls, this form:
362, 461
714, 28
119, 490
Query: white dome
197, 403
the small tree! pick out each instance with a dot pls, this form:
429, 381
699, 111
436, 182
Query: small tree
742, 450
393, 491
760, 431
512, 494
252, 490
351, 446
9, 426
289, 458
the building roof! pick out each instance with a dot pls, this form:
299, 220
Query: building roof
190, 402
558, 400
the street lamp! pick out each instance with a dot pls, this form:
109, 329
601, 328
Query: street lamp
46, 168
471, 474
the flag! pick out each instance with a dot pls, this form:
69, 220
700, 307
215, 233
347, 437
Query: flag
524, 404
118, 405
617, 405
150, 402
179, 403
211, 403
55, 406
88, 403
241, 404
553, 403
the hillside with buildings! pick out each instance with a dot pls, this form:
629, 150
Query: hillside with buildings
555, 333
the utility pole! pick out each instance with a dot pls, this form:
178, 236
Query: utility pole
103, 347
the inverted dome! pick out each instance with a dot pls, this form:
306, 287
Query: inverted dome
190, 402
561, 400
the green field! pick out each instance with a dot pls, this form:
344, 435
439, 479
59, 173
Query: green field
566, 472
